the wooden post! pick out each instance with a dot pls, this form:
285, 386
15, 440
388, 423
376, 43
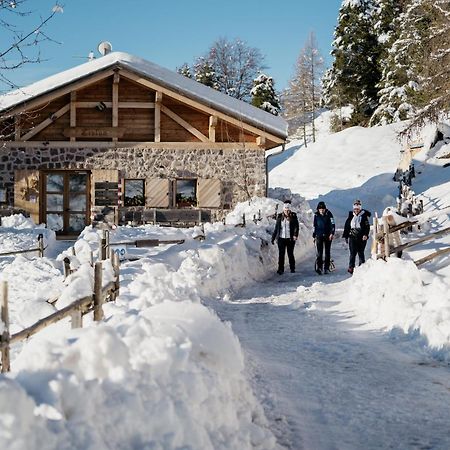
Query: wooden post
243, 219
386, 238
5, 335
76, 319
374, 239
41, 245
66, 263
98, 296
103, 246
199, 216
116, 266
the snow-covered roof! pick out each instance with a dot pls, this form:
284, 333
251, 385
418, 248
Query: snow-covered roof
160, 75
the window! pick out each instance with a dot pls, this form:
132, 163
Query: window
185, 193
133, 193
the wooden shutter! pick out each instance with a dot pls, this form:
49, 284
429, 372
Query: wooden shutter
102, 176
157, 192
27, 188
209, 193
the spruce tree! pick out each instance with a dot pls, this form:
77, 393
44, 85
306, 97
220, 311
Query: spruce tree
204, 73
185, 70
355, 73
264, 95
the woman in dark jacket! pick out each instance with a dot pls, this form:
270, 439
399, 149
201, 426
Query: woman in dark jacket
323, 235
286, 233
356, 233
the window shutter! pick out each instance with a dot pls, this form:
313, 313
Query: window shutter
104, 197
27, 192
209, 193
157, 192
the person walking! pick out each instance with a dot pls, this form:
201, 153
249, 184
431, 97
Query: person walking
323, 234
356, 233
286, 234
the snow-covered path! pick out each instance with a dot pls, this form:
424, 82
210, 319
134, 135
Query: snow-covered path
324, 383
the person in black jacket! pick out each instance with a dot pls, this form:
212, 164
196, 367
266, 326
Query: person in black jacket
323, 235
356, 233
286, 233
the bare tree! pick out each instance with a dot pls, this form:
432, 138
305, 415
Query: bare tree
304, 92
235, 66
22, 45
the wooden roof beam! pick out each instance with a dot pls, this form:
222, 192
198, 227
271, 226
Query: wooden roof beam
46, 122
184, 124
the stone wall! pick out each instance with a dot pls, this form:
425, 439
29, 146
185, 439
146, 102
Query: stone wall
242, 171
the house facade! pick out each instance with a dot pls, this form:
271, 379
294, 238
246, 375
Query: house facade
121, 134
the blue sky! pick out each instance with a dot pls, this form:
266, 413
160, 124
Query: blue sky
172, 32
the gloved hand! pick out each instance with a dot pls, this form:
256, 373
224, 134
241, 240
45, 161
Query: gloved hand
346, 240
273, 241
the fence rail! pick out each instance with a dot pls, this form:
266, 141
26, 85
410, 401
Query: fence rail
76, 310
40, 248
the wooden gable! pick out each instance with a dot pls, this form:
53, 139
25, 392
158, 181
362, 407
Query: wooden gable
121, 106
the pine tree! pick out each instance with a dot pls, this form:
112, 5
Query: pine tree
204, 73
264, 95
185, 70
354, 74
399, 60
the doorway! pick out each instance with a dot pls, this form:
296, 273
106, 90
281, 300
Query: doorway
66, 201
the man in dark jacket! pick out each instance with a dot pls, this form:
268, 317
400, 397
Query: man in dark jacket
286, 233
356, 233
323, 235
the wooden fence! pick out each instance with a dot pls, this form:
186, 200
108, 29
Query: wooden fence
386, 239
76, 310
40, 248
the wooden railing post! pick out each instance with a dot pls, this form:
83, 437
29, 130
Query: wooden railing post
103, 246
116, 267
41, 245
386, 237
66, 264
98, 295
77, 319
374, 239
5, 335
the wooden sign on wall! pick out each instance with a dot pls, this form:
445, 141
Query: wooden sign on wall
94, 132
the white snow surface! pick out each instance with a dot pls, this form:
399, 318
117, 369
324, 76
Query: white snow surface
301, 361
173, 80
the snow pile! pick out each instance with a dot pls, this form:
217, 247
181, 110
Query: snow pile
162, 371
18, 232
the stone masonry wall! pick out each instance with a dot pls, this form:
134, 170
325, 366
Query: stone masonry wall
242, 171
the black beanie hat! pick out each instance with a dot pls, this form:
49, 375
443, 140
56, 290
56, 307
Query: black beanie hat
321, 205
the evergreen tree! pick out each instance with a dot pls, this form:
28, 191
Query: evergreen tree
185, 70
264, 95
204, 73
354, 74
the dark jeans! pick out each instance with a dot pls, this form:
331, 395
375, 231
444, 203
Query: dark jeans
283, 245
356, 246
323, 243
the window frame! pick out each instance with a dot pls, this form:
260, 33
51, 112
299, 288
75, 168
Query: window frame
185, 203
125, 180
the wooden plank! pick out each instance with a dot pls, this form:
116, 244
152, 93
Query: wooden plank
73, 112
158, 102
5, 340
124, 105
136, 144
184, 124
106, 185
98, 294
43, 99
420, 240
433, 255
203, 108
46, 122
17, 130
212, 128
115, 103
261, 141
91, 132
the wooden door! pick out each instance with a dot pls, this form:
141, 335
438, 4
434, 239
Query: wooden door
66, 201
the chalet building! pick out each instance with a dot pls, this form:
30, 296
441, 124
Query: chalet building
120, 134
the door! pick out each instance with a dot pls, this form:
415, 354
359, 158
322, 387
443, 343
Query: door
66, 200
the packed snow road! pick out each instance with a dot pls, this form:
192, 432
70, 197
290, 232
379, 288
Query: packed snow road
325, 383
